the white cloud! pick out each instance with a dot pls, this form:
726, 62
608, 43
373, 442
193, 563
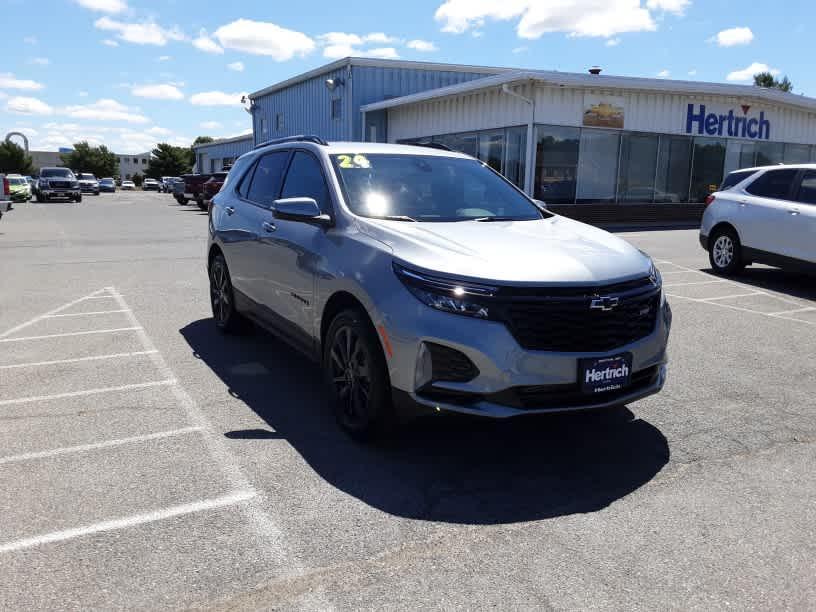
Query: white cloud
39, 61
104, 6
575, 17
28, 131
28, 106
206, 44
9, 81
164, 58
159, 131
421, 45
264, 38
734, 37
83, 94
105, 110
216, 98
522, 49
3, 95
210, 125
164, 91
692, 73
30, 40
613, 42
340, 38
382, 52
236, 66
110, 43
343, 44
747, 74
146, 33
664, 74
380, 38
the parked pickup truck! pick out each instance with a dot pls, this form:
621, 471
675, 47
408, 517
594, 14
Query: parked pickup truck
193, 188
5, 195
212, 187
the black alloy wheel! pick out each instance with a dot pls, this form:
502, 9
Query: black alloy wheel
222, 298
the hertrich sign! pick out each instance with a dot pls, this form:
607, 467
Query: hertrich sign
734, 124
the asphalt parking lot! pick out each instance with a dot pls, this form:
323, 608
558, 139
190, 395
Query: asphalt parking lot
148, 462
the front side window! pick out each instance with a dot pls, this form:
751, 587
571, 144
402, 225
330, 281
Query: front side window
429, 188
266, 180
305, 180
773, 184
807, 190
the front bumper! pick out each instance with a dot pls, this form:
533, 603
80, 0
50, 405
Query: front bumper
511, 381
88, 189
61, 193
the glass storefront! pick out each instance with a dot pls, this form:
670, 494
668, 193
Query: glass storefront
591, 165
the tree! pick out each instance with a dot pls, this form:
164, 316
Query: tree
13, 159
198, 141
167, 160
766, 79
137, 179
99, 161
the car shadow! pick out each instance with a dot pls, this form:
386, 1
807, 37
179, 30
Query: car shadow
790, 282
443, 468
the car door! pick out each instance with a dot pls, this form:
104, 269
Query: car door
241, 223
291, 250
803, 224
764, 211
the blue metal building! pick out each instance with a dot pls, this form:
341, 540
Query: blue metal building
326, 101
214, 156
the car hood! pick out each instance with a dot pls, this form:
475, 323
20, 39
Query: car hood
557, 250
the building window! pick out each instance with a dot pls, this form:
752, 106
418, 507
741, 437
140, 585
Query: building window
673, 169
769, 153
797, 154
707, 168
467, 143
491, 148
515, 156
279, 125
264, 126
556, 163
597, 166
337, 108
144, 162
638, 164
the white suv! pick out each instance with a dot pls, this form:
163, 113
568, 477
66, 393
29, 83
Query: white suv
764, 215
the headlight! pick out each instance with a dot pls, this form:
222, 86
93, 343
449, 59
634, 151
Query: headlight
447, 295
657, 280
75, 184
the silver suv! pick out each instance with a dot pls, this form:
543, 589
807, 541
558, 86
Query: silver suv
423, 281
764, 215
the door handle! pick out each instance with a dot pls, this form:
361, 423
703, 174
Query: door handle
229, 210
269, 227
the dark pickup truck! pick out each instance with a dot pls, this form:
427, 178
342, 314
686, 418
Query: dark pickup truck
212, 187
193, 189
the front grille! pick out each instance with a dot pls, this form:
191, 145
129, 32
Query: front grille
561, 319
59, 184
570, 396
450, 365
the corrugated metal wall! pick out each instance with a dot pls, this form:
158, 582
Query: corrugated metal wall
647, 112
220, 150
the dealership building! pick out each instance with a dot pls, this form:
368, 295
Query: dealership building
594, 146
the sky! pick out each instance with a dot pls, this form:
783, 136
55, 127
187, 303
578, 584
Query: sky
132, 73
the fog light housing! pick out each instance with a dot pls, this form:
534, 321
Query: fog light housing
438, 363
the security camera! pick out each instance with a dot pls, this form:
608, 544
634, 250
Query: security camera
332, 84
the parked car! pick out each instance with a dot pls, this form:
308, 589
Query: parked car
177, 189
19, 189
211, 187
150, 184
762, 215
128, 185
5, 195
194, 188
58, 183
166, 183
107, 185
423, 281
88, 183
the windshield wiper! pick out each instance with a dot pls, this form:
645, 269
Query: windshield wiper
491, 219
397, 218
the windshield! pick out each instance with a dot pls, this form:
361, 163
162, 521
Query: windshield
17, 181
57, 172
86, 177
429, 188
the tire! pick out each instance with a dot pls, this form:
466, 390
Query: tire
356, 374
78, 199
222, 298
725, 252
41, 198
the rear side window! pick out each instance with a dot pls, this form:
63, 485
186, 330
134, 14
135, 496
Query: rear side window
773, 184
266, 181
305, 180
807, 190
735, 178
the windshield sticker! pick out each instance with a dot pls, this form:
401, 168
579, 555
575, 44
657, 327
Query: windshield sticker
348, 162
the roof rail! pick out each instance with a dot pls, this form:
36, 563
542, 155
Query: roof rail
433, 145
299, 138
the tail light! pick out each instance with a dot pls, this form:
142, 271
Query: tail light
6, 186
709, 199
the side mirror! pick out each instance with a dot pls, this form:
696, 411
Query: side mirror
541, 204
304, 210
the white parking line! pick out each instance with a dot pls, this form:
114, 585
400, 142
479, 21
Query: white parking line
129, 521
732, 307
35, 364
67, 450
787, 312
83, 314
710, 282
93, 296
82, 333
97, 297
728, 297
42, 398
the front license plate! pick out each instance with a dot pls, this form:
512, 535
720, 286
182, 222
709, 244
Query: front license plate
600, 375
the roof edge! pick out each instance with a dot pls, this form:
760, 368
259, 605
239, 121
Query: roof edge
220, 141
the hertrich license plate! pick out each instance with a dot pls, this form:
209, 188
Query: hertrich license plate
604, 374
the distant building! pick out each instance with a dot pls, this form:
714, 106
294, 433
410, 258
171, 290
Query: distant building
129, 164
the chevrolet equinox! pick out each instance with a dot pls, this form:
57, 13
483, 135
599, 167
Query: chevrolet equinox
423, 281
